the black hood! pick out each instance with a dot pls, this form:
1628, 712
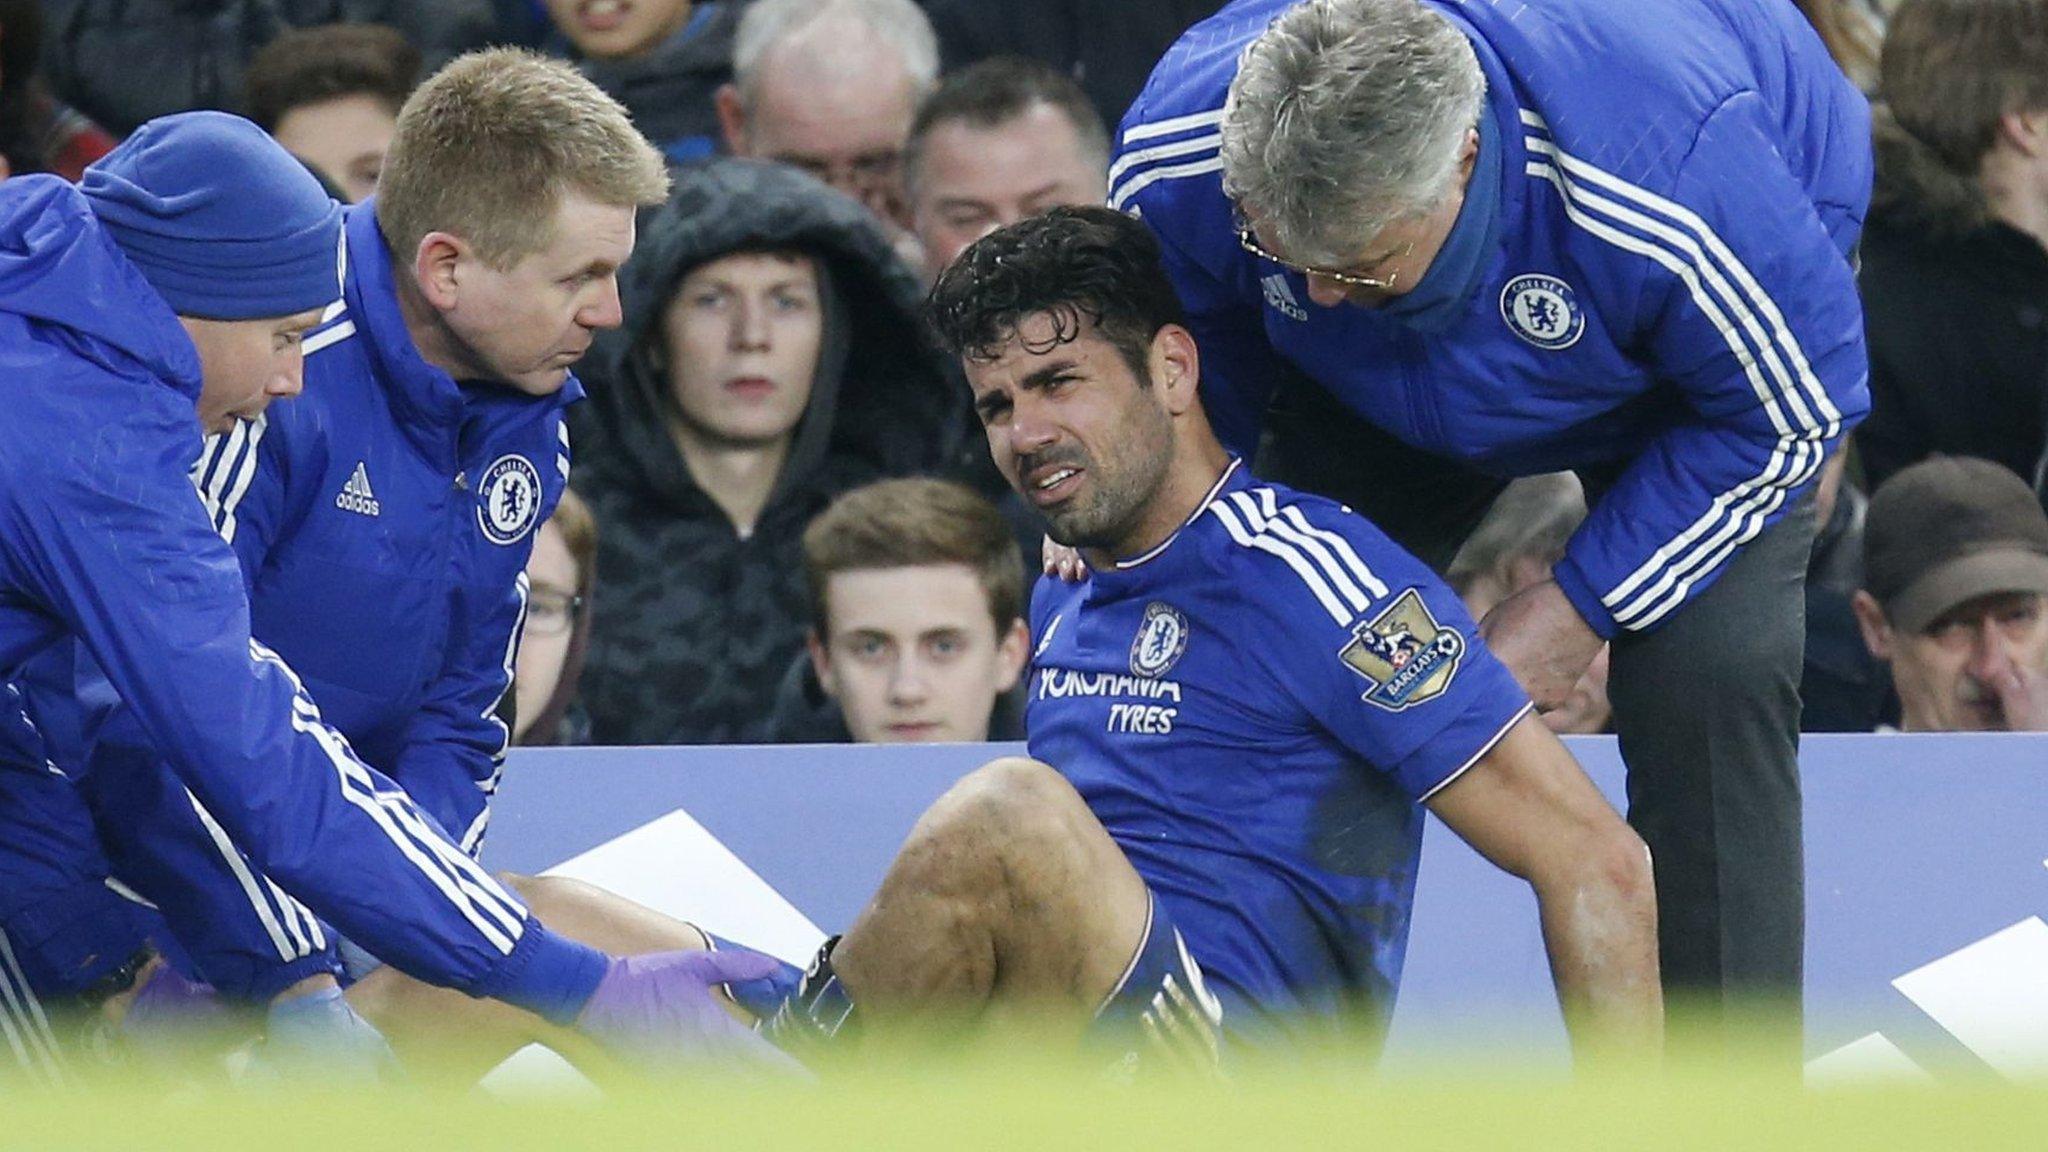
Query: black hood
881, 397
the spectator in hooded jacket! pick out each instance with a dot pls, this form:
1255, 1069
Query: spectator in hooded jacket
663, 59
771, 358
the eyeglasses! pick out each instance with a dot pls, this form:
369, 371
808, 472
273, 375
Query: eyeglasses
1250, 243
549, 613
859, 176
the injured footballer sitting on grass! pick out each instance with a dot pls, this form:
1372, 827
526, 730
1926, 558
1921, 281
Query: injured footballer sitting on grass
1235, 723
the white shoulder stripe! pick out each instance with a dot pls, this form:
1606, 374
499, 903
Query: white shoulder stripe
1685, 232
1193, 145
1725, 257
1121, 198
1346, 554
1682, 255
1168, 127
328, 337
1731, 299
226, 467
1289, 555
1262, 515
245, 472
212, 453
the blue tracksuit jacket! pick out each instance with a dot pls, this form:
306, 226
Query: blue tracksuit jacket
1681, 184
103, 541
383, 521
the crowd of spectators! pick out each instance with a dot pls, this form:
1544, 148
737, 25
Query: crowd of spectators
833, 156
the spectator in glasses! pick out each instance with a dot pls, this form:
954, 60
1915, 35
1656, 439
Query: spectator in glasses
831, 87
560, 575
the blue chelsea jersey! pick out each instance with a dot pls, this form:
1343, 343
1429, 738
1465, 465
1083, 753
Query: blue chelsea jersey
1255, 711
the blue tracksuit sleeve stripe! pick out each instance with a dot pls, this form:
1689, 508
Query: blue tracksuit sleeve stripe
226, 465
1755, 323
137, 571
1140, 168
277, 913
24, 1025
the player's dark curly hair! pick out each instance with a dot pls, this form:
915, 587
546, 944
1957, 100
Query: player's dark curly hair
1070, 263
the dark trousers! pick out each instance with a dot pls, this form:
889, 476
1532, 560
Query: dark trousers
1706, 707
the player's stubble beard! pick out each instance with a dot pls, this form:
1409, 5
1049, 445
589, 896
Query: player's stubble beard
1121, 486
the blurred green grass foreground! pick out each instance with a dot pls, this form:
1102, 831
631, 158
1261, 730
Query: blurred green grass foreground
1029, 1103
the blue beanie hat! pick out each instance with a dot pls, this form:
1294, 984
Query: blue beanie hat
219, 218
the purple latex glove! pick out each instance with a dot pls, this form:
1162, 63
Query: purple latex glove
662, 1008
170, 1014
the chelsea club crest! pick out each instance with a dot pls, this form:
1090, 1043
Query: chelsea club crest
1543, 310
1160, 641
508, 500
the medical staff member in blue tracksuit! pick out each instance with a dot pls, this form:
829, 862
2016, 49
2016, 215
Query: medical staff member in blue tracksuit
183, 273
1430, 244
383, 521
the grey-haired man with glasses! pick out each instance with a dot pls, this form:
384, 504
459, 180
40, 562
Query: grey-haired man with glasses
1429, 245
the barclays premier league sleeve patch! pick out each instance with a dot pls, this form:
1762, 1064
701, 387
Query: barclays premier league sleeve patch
1404, 656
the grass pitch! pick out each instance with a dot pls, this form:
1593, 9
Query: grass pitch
1027, 1105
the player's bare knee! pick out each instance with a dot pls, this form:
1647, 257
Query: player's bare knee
1017, 799
1008, 809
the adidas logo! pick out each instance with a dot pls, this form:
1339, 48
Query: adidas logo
356, 496
1281, 298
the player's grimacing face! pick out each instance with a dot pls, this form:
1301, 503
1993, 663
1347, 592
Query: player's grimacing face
1074, 430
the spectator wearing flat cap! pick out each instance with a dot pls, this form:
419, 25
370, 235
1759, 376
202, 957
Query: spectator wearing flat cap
1955, 596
